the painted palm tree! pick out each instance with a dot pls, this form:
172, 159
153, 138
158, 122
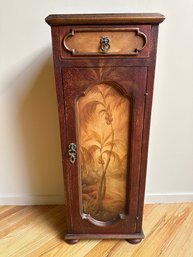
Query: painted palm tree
102, 149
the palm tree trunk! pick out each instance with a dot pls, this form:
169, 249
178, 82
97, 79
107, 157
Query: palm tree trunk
102, 185
108, 161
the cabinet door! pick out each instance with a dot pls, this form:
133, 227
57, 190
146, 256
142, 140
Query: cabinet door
104, 109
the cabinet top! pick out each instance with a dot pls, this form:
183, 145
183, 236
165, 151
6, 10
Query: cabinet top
118, 18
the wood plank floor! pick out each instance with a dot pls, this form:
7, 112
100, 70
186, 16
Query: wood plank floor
38, 231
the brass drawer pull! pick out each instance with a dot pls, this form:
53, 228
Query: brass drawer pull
104, 44
72, 152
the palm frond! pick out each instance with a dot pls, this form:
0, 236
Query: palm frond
93, 135
94, 90
102, 112
120, 102
114, 155
86, 156
89, 109
112, 144
93, 148
124, 162
106, 138
118, 141
124, 158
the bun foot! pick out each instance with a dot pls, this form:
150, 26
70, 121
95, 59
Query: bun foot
72, 241
134, 241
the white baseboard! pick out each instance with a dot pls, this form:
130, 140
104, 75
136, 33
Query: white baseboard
169, 198
31, 199
59, 199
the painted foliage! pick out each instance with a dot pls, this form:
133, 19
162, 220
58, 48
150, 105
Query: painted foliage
103, 124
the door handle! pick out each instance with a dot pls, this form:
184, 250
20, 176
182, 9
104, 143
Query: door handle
72, 152
104, 44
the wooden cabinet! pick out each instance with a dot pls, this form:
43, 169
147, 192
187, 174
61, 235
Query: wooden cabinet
104, 70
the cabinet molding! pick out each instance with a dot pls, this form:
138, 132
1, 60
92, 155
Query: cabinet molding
122, 41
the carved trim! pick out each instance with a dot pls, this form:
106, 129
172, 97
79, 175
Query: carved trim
135, 52
64, 41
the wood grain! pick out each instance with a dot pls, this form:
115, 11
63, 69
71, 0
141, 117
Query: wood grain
38, 231
122, 41
107, 18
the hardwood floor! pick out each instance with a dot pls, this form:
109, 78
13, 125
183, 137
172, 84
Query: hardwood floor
38, 231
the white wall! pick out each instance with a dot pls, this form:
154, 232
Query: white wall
30, 157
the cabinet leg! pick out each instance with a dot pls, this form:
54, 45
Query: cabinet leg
134, 241
72, 241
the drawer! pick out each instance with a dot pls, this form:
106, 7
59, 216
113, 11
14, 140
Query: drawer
111, 41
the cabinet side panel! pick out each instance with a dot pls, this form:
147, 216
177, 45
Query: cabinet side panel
146, 125
62, 119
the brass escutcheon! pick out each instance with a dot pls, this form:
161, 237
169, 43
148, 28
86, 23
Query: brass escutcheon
104, 44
